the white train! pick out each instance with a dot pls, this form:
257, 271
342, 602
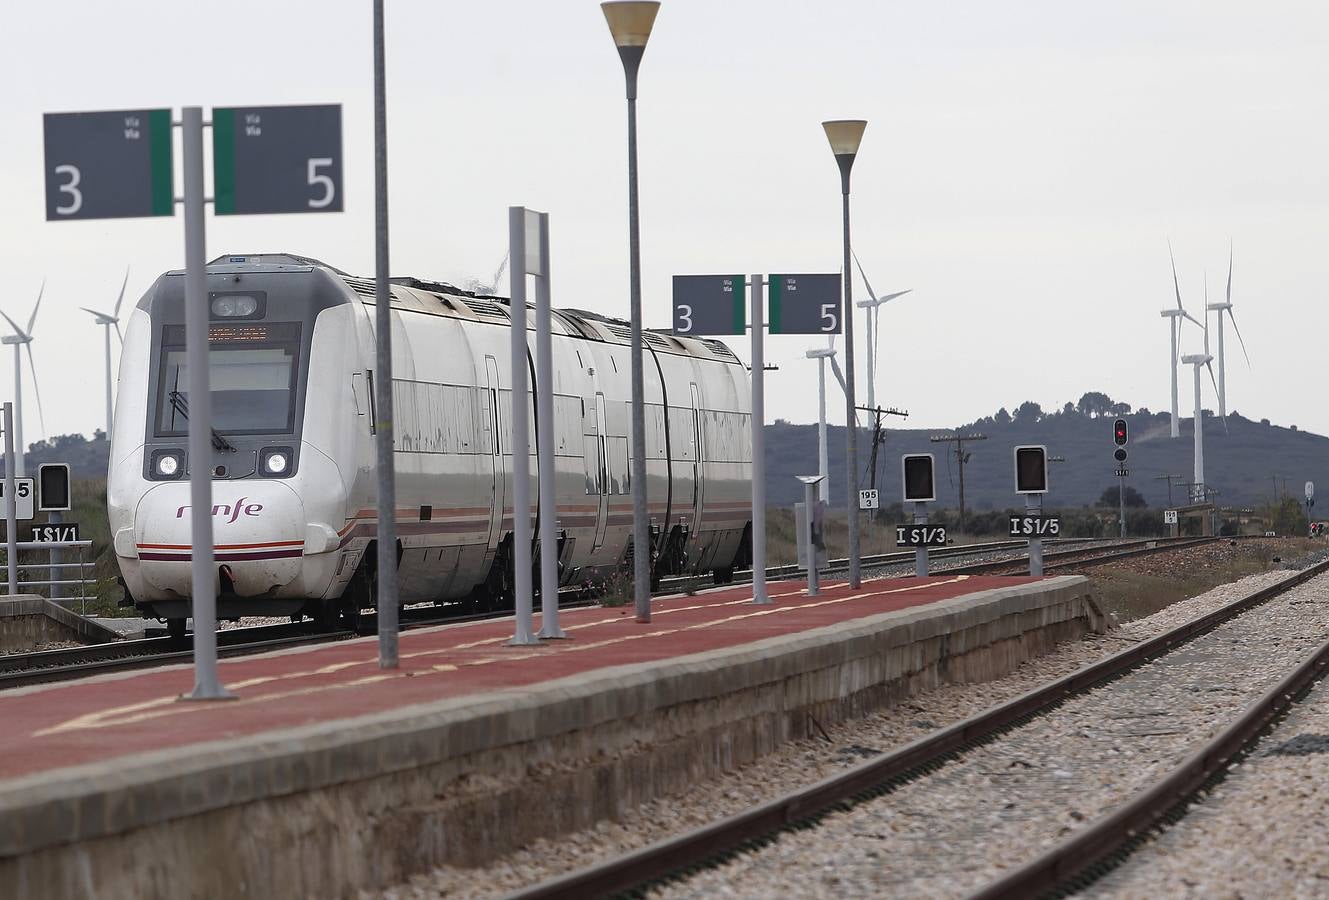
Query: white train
291, 355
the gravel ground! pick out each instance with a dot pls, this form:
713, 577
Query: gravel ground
947, 834
799, 763
49, 645
1258, 834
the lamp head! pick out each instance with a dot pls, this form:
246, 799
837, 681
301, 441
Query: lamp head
630, 21
845, 135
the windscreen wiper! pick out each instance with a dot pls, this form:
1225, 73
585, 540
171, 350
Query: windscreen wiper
181, 405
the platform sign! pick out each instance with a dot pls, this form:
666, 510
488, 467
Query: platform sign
25, 490
710, 304
63, 533
805, 304
920, 535
108, 165
868, 499
1169, 517
1034, 526
277, 159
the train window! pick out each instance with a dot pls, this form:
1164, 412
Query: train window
253, 387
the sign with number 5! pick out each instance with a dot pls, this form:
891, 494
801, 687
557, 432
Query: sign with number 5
277, 159
805, 304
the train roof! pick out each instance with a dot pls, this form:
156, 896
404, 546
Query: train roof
440, 298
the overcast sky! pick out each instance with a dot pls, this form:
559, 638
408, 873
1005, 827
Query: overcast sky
1023, 167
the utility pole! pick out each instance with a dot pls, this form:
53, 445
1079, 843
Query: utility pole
959, 441
1168, 476
879, 436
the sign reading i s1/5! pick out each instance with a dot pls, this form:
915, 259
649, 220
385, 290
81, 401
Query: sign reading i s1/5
1034, 526
108, 165
805, 304
277, 159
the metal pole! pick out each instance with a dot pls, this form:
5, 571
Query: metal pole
207, 686
823, 456
921, 553
641, 532
851, 431
544, 443
809, 505
57, 557
1199, 439
521, 444
107, 329
759, 594
11, 499
384, 444
20, 468
1121, 503
1033, 505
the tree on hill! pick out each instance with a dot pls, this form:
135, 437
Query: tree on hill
1068, 409
1134, 499
1094, 403
1028, 412
1002, 417
1120, 409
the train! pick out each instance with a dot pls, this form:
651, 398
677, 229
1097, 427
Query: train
291, 355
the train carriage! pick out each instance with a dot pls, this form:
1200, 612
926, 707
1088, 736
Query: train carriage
291, 362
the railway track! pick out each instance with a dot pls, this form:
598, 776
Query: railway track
1069, 864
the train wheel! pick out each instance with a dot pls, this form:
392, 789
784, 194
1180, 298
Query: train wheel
723, 575
175, 629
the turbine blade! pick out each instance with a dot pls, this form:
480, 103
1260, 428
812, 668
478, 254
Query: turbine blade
12, 324
1175, 284
95, 313
871, 293
41, 416
1233, 320
33, 318
1229, 272
119, 336
121, 298
896, 294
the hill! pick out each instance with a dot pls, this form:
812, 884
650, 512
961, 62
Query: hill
1244, 462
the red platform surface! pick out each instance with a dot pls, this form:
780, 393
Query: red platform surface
76, 722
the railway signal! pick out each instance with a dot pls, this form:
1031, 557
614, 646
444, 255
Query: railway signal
918, 476
1120, 433
1031, 479
120, 164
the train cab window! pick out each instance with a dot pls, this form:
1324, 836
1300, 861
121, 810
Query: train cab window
253, 380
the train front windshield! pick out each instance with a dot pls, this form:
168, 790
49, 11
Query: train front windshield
253, 383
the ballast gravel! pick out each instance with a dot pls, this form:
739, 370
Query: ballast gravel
798, 764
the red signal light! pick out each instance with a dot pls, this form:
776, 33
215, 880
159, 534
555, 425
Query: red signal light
1119, 432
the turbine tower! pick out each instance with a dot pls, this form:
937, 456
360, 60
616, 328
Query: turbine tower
873, 305
1221, 308
1175, 316
821, 356
1195, 360
22, 338
109, 320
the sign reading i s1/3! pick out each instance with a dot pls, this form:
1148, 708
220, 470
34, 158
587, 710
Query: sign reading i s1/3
1034, 526
55, 534
277, 159
108, 165
920, 535
710, 304
805, 304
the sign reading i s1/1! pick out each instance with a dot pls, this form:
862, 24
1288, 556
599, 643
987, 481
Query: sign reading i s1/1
710, 304
277, 159
55, 534
1034, 526
805, 304
108, 165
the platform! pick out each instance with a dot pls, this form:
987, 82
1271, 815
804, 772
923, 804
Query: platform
472, 746
28, 621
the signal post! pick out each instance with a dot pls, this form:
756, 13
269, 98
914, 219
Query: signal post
1031, 479
917, 477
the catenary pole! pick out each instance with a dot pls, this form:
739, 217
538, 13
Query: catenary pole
207, 686
544, 443
520, 438
11, 500
383, 427
759, 594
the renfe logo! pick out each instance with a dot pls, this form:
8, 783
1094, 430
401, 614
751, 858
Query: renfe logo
233, 510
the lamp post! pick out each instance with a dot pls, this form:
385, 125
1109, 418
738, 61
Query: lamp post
845, 136
630, 23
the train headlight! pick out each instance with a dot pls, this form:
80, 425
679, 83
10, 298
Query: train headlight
275, 461
234, 306
167, 464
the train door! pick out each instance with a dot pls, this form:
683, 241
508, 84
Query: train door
601, 471
496, 480
698, 465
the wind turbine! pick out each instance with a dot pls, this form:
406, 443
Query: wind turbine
1220, 308
873, 306
109, 320
23, 338
1175, 316
1196, 360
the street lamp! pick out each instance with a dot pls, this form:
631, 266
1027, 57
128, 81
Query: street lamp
845, 136
630, 23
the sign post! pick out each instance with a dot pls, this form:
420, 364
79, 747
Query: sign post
105, 165
11, 491
521, 450
920, 488
1031, 479
814, 535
